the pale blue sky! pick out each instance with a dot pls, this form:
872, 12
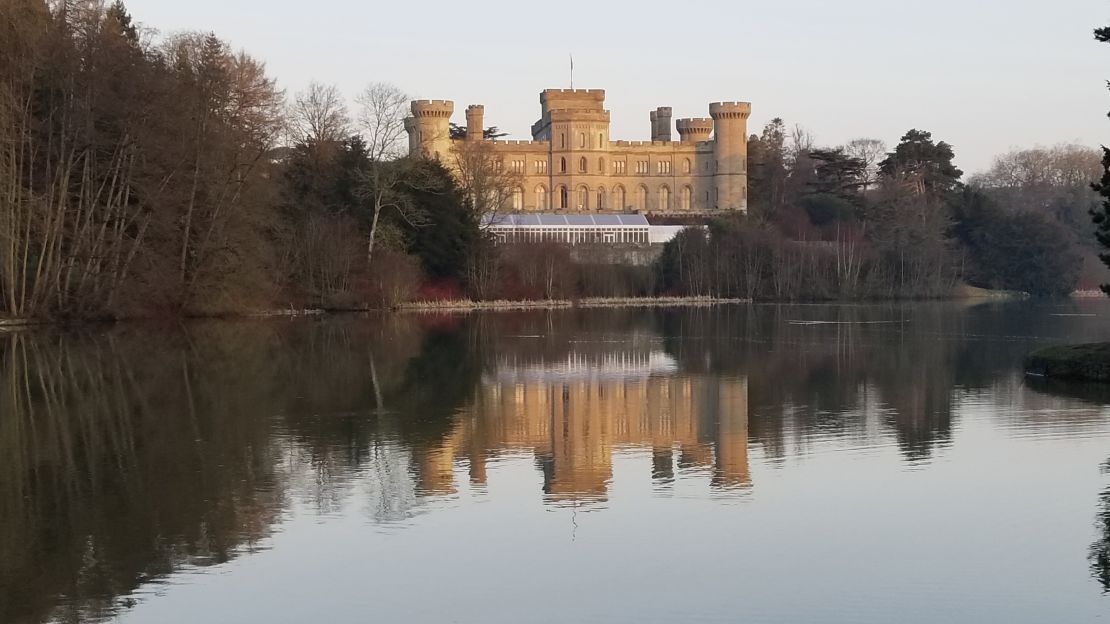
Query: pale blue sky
984, 75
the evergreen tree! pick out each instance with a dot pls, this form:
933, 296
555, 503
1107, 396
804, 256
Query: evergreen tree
1101, 215
926, 164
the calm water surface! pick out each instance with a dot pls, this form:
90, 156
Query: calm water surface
777, 464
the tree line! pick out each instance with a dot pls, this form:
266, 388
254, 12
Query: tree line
859, 221
144, 176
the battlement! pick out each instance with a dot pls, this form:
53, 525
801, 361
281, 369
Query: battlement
432, 108
475, 108
694, 123
582, 92
730, 110
664, 111
572, 99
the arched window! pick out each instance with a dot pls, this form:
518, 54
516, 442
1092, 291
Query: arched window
601, 165
641, 199
686, 166
600, 139
518, 198
563, 140
563, 197
582, 139
664, 198
582, 165
562, 165
541, 197
600, 203
583, 198
618, 198
687, 197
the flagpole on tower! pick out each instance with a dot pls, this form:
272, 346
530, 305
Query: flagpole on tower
572, 72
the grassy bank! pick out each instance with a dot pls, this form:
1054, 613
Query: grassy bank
1090, 362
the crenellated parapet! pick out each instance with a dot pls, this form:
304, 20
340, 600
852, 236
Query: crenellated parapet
423, 109
730, 110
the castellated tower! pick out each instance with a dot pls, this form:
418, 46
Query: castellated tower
695, 130
661, 124
730, 152
429, 127
474, 119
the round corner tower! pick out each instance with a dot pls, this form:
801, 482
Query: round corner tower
730, 151
695, 130
430, 128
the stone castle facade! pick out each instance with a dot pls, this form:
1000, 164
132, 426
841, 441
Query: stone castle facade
572, 165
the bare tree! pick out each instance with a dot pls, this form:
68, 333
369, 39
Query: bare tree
871, 152
319, 115
486, 182
390, 173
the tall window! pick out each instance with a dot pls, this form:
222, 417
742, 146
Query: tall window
563, 197
664, 198
601, 166
582, 165
541, 197
582, 139
518, 198
583, 198
562, 165
641, 199
541, 166
687, 197
619, 167
663, 167
563, 140
641, 166
600, 203
600, 139
686, 166
618, 198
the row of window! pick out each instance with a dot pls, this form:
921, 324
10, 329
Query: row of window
662, 167
583, 199
582, 140
643, 167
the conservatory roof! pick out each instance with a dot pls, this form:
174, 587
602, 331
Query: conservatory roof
559, 220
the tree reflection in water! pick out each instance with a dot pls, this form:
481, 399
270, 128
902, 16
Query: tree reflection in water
1100, 550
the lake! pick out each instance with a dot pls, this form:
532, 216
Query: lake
775, 464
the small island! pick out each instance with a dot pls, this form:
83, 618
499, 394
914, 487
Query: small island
1086, 362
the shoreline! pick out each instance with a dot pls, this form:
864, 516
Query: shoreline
467, 305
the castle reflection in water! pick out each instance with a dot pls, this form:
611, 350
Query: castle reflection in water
575, 412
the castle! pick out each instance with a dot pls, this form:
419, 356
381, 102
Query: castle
572, 165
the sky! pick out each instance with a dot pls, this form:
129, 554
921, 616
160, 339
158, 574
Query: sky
987, 76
